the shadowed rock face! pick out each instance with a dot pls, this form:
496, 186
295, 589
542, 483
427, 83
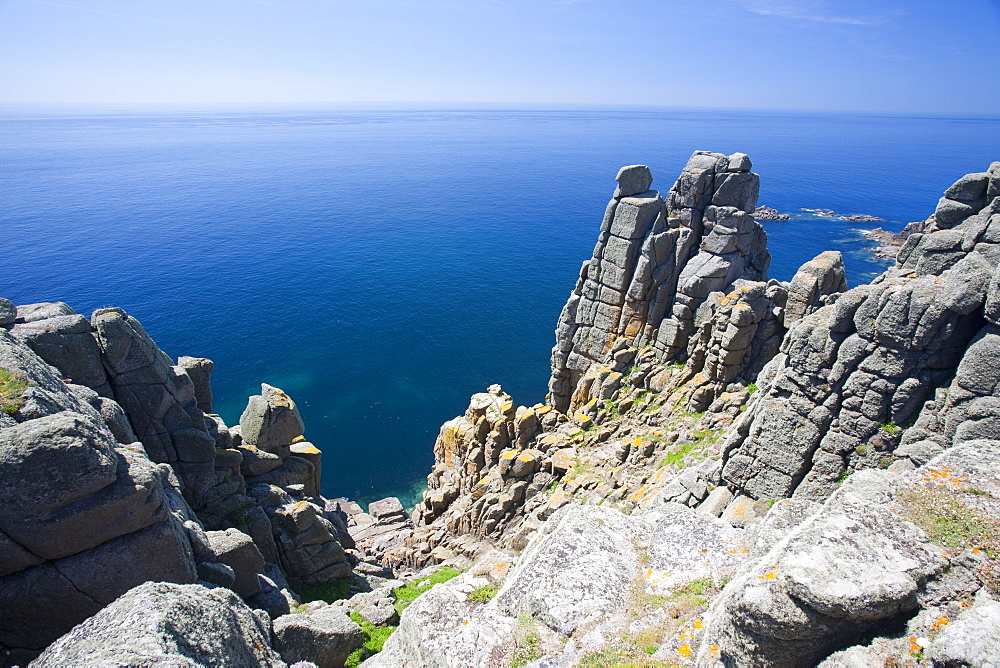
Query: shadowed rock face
655, 263
90, 507
159, 398
82, 519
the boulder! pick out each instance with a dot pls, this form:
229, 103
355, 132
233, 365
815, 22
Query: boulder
443, 629
8, 312
387, 510
237, 550
579, 569
42, 311
686, 545
271, 421
158, 623
324, 636
846, 567
633, 180
973, 639
66, 342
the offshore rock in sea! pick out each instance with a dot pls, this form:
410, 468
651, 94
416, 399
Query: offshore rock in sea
656, 262
767, 213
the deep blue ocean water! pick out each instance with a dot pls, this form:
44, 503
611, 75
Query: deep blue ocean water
381, 266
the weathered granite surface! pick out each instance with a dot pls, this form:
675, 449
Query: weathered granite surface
168, 624
850, 374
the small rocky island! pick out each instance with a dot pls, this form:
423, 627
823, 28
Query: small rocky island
729, 470
767, 213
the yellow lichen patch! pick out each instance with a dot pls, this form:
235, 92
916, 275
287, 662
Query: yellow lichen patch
684, 650
298, 439
943, 476
940, 623
770, 575
698, 624
279, 398
308, 449
509, 454
583, 420
499, 569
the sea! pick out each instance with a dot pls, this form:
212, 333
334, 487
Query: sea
383, 264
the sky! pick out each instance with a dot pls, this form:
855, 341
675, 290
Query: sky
875, 55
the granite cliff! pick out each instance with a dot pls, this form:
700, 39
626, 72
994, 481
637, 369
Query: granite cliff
729, 470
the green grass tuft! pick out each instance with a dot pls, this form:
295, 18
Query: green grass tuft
408, 594
375, 637
890, 427
949, 522
334, 590
485, 593
12, 384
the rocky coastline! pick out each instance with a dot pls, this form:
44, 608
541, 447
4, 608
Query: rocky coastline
729, 470
890, 243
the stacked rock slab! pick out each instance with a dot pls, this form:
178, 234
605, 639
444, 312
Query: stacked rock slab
382, 529
160, 402
656, 261
489, 468
852, 374
282, 474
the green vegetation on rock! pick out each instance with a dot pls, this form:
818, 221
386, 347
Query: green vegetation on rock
890, 427
950, 522
408, 594
12, 384
375, 637
527, 642
485, 593
334, 590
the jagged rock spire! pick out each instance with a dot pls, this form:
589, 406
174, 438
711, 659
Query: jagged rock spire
656, 262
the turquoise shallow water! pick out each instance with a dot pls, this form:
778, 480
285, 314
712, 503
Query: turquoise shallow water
381, 266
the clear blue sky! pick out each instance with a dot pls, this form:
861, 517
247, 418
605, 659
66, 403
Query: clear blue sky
876, 55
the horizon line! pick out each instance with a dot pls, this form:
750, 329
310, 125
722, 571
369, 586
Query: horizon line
456, 105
